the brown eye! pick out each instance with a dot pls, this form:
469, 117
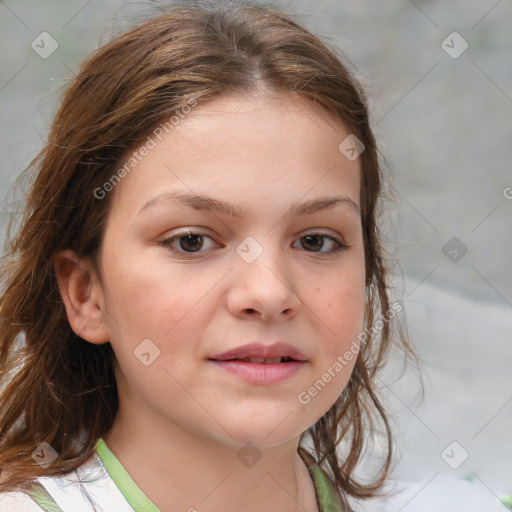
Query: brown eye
187, 243
190, 243
315, 242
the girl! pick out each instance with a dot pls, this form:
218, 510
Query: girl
197, 288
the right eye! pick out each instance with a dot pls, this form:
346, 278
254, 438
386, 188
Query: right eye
187, 243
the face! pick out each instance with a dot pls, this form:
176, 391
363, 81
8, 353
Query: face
186, 280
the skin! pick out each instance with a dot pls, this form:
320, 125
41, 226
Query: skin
182, 420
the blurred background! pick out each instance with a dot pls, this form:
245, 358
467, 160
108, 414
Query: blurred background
439, 79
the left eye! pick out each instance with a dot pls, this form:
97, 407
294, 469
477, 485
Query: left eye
191, 242
316, 239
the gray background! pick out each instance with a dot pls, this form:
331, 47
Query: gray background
444, 127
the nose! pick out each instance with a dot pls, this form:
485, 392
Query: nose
264, 288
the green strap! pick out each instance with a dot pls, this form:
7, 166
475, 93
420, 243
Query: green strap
129, 489
327, 497
42, 497
328, 501
326, 494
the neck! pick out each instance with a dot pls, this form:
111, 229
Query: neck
179, 470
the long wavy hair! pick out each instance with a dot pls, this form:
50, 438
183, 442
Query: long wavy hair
57, 388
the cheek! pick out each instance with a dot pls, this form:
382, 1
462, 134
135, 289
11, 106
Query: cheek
151, 301
339, 305
339, 301
340, 312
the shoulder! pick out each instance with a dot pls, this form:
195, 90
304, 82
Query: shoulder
89, 488
17, 501
440, 493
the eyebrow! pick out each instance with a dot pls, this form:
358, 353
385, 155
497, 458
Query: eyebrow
209, 204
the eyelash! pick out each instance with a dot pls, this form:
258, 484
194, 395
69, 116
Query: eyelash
339, 246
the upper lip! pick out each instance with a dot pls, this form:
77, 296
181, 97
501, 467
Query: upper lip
275, 350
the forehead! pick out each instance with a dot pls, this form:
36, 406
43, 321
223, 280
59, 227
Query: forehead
290, 115
237, 144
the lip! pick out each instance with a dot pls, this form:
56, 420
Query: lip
256, 349
260, 373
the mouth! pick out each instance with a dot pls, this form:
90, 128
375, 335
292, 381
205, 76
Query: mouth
259, 360
261, 365
259, 371
260, 353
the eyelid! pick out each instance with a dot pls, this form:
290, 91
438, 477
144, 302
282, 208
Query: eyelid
322, 231
188, 231
337, 239
204, 232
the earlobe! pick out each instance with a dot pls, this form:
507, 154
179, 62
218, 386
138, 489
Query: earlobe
82, 295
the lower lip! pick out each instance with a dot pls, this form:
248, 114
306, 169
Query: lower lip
258, 373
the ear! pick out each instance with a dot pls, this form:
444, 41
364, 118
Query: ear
82, 295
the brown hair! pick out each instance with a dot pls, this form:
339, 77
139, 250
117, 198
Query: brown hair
58, 388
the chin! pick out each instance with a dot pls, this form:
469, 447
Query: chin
260, 438
265, 428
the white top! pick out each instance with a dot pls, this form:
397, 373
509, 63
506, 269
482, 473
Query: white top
102, 485
98, 493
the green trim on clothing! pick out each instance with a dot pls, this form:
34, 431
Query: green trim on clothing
327, 497
129, 489
507, 501
42, 497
